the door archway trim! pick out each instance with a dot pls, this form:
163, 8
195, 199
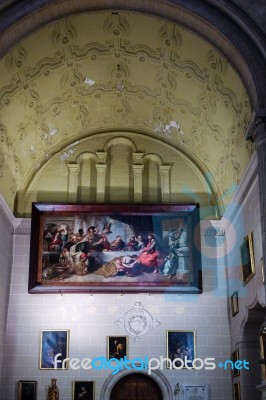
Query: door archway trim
157, 376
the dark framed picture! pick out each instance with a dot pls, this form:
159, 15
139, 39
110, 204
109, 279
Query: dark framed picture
117, 347
115, 248
27, 390
234, 304
247, 258
235, 357
83, 390
181, 346
54, 349
263, 350
237, 391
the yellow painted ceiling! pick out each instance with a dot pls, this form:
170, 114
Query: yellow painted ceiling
110, 72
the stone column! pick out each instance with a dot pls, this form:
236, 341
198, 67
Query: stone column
165, 182
138, 175
256, 132
73, 170
138, 171
101, 173
101, 167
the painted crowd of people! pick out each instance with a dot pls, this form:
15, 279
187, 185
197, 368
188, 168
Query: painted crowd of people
82, 252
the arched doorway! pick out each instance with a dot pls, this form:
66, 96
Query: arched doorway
156, 379
136, 386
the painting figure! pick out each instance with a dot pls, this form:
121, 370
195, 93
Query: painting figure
149, 256
83, 390
171, 261
118, 266
117, 347
82, 394
117, 244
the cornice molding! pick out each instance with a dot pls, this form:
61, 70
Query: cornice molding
244, 187
19, 226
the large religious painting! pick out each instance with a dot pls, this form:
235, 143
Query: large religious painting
115, 248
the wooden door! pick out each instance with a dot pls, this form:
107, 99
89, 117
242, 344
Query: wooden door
136, 387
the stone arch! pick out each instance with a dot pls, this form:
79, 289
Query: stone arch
153, 157
249, 350
120, 140
156, 375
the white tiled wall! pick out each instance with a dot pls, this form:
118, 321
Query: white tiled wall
91, 319
6, 229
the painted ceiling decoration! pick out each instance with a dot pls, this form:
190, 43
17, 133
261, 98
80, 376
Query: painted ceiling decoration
111, 72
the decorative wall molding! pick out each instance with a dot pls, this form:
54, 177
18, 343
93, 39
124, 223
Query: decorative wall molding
137, 322
244, 187
7, 214
20, 226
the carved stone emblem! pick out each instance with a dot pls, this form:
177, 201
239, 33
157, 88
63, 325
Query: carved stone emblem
137, 322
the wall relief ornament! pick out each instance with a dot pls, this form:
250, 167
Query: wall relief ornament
137, 322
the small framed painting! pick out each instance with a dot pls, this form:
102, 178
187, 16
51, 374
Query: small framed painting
180, 346
263, 350
83, 390
237, 391
54, 349
247, 258
235, 358
117, 347
27, 390
234, 304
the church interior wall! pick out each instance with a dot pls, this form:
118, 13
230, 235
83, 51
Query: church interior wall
91, 319
6, 226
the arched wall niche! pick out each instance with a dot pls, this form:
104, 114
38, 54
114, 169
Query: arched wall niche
249, 349
187, 182
156, 375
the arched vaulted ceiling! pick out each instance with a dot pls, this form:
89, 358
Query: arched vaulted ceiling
113, 70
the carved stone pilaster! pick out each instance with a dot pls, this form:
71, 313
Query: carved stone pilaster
101, 174
165, 182
256, 132
138, 172
73, 169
